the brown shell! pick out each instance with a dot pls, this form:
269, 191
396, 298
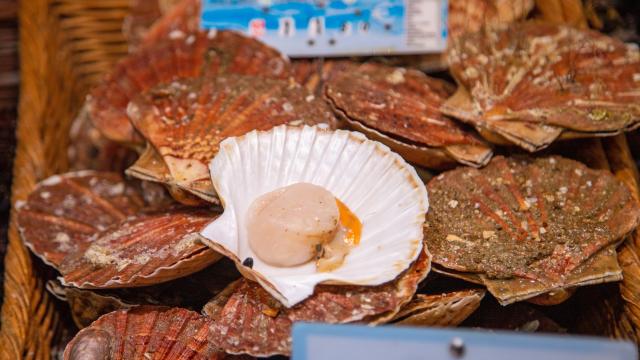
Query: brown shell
142, 15
255, 323
400, 108
182, 17
474, 15
186, 120
600, 268
313, 74
190, 292
448, 309
89, 149
92, 227
525, 226
533, 83
146, 332
145, 249
63, 211
179, 55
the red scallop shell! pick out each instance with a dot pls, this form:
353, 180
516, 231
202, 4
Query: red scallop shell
63, 211
190, 292
474, 15
146, 332
532, 83
404, 105
179, 55
183, 17
253, 322
93, 228
186, 120
533, 221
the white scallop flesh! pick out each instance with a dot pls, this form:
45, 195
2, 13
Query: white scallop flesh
286, 227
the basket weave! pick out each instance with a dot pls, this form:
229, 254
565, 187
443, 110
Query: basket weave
65, 46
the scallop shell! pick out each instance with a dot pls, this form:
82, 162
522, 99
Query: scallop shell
313, 74
520, 317
93, 228
88, 149
185, 121
534, 83
63, 211
448, 309
255, 323
190, 292
524, 227
400, 108
180, 55
183, 17
357, 171
146, 332
474, 15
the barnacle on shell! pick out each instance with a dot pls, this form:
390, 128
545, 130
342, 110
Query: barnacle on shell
96, 230
533, 83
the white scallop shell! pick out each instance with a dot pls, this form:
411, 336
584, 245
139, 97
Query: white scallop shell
376, 184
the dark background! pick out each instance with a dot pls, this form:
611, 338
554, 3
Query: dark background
8, 112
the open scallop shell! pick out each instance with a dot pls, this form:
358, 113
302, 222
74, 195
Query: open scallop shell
94, 229
146, 332
532, 83
253, 322
555, 222
448, 309
382, 190
180, 55
400, 108
186, 120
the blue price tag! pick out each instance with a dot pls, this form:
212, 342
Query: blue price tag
306, 28
338, 342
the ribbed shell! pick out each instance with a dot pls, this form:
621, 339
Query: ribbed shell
255, 323
183, 17
527, 225
93, 228
532, 83
190, 292
377, 185
63, 211
146, 333
313, 74
448, 309
176, 56
185, 121
474, 15
401, 108
146, 249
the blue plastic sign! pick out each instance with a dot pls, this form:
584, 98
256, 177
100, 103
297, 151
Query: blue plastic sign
350, 342
307, 28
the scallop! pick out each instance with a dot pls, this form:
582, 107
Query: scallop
98, 232
373, 186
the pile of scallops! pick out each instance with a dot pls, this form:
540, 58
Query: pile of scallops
261, 191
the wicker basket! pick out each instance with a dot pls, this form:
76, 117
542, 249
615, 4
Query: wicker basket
65, 45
